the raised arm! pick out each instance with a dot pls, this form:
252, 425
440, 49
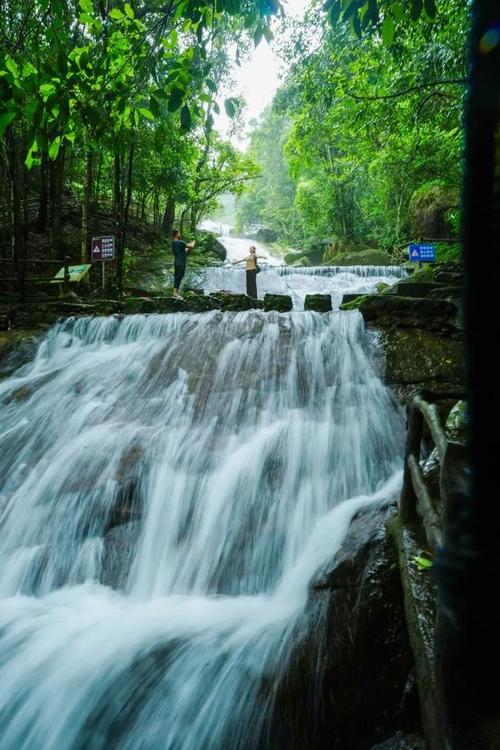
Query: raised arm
242, 260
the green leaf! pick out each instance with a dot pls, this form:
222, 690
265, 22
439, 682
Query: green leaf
129, 11
175, 99
397, 11
416, 9
47, 89
11, 66
116, 14
211, 85
351, 9
186, 117
229, 107
86, 6
356, 25
209, 123
86, 19
146, 113
268, 34
388, 31
216, 108
54, 148
154, 106
257, 37
32, 160
430, 8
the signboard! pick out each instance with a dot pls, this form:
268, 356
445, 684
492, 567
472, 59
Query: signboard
76, 273
422, 253
102, 248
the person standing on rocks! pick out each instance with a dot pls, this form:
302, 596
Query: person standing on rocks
180, 250
252, 271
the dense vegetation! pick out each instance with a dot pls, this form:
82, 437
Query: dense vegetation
108, 108
369, 133
107, 121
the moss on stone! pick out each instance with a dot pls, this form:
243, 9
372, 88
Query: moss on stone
355, 303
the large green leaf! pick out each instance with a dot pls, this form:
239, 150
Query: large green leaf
186, 119
388, 31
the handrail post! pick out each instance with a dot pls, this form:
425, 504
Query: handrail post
66, 274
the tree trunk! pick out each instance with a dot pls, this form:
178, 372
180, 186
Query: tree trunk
84, 248
56, 181
44, 196
124, 223
168, 217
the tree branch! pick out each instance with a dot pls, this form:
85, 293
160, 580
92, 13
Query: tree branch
451, 81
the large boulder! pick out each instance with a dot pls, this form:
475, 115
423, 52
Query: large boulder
208, 244
17, 348
429, 209
350, 682
265, 234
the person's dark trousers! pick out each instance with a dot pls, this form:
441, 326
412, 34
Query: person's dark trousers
179, 272
252, 284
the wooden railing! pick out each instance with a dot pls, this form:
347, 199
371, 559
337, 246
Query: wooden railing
422, 524
416, 501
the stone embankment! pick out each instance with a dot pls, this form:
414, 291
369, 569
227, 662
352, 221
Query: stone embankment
420, 323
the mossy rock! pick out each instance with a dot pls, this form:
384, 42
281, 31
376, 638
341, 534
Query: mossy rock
363, 258
355, 303
428, 209
278, 302
236, 302
318, 302
422, 359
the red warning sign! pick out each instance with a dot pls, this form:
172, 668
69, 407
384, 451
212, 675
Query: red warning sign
103, 248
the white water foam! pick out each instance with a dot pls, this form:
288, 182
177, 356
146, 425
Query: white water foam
217, 459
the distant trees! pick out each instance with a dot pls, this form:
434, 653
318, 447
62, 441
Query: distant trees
362, 124
113, 102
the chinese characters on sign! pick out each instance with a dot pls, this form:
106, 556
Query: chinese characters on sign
103, 248
422, 253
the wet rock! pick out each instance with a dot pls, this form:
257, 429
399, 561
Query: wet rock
402, 742
278, 302
17, 348
421, 360
236, 302
355, 686
318, 302
429, 208
266, 235
389, 310
119, 546
457, 424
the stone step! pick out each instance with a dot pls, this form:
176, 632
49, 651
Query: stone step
318, 302
278, 302
417, 289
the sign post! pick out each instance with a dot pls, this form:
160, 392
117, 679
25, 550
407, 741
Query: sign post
102, 249
422, 253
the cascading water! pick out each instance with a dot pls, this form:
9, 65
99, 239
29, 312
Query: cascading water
333, 280
169, 486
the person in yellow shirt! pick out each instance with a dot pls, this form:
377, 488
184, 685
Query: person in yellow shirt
252, 269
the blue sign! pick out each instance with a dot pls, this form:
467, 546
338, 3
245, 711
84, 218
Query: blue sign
422, 253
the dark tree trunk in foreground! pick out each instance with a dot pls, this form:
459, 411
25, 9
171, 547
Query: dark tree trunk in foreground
468, 566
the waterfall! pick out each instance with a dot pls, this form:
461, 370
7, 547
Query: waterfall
298, 281
169, 485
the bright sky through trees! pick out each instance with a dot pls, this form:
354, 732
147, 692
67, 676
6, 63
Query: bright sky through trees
258, 77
